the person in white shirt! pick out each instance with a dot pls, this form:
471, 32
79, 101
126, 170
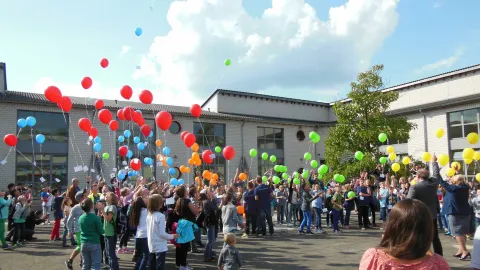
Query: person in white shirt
156, 235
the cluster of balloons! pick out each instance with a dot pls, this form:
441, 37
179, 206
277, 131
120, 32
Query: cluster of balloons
29, 121
206, 174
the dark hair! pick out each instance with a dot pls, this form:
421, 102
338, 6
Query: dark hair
192, 192
203, 197
54, 191
10, 185
180, 192
227, 198
409, 230
86, 205
259, 180
136, 207
250, 185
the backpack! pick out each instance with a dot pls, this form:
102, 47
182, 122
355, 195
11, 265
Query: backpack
120, 222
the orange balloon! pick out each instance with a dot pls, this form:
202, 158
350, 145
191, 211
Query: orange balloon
206, 174
242, 177
182, 168
187, 169
164, 162
190, 161
244, 216
197, 179
195, 155
158, 143
240, 210
194, 147
197, 162
159, 157
213, 182
215, 176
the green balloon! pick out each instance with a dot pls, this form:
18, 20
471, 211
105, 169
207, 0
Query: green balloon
339, 178
316, 139
218, 149
276, 180
312, 135
359, 155
106, 155
285, 169
323, 169
264, 179
305, 174
307, 156
351, 194
253, 153
273, 158
383, 160
382, 137
264, 156
228, 62
314, 164
277, 168
296, 181
295, 175
284, 175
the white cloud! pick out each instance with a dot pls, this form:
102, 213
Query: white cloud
124, 50
442, 63
288, 48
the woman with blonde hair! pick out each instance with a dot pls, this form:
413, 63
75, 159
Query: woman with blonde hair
458, 211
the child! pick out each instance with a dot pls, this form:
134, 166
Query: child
392, 199
66, 206
110, 217
22, 208
317, 207
5, 202
328, 205
45, 197
156, 235
229, 258
337, 207
382, 198
281, 202
57, 214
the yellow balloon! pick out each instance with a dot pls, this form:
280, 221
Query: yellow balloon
456, 165
468, 153
392, 156
450, 172
390, 149
472, 138
439, 133
468, 160
406, 160
443, 159
395, 167
477, 176
414, 182
476, 156
426, 156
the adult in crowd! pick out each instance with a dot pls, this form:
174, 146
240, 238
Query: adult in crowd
406, 242
263, 194
426, 191
459, 213
91, 229
73, 190
363, 204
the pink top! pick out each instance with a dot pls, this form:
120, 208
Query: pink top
376, 259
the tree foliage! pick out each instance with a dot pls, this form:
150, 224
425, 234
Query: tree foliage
360, 120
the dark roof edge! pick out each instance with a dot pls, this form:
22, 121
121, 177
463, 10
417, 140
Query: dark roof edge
285, 120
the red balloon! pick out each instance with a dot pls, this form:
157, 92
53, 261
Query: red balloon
10, 140
228, 152
122, 151
146, 97
196, 110
163, 120
99, 104
65, 104
189, 139
87, 82
53, 94
113, 125
146, 129
183, 134
135, 164
128, 113
84, 124
141, 122
120, 114
93, 132
126, 92
206, 156
137, 117
104, 63
105, 116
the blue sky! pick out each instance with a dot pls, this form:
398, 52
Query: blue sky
65, 40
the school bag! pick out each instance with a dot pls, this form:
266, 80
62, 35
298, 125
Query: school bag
120, 222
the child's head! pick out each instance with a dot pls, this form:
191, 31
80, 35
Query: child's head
111, 199
155, 203
55, 192
230, 239
382, 184
22, 198
282, 188
337, 188
478, 191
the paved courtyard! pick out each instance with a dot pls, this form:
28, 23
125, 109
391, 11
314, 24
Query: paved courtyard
285, 250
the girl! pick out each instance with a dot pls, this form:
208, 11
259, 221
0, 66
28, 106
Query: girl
317, 207
156, 235
22, 208
307, 213
229, 215
66, 207
109, 222
184, 209
138, 218
382, 198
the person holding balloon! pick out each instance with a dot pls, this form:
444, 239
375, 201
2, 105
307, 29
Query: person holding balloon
349, 197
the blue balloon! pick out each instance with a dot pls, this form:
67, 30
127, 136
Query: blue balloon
130, 173
135, 173
138, 31
40, 138
120, 176
172, 171
181, 181
173, 181
151, 134
166, 151
97, 147
129, 154
140, 146
139, 111
97, 140
121, 139
31, 121
127, 133
148, 161
22, 123
136, 139
169, 161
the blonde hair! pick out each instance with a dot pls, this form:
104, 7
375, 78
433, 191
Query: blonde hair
458, 179
155, 203
230, 238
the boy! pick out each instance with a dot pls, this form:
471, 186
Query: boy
229, 258
22, 209
281, 202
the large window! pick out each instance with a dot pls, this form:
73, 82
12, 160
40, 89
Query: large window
461, 123
52, 125
209, 136
270, 141
468, 170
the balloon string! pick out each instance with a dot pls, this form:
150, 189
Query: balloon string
69, 123
33, 146
110, 132
10, 150
41, 157
31, 161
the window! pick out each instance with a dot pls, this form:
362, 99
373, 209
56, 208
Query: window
52, 125
270, 141
209, 136
467, 170
175, 128
300, 135
463, 122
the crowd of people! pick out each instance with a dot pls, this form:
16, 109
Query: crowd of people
100, 220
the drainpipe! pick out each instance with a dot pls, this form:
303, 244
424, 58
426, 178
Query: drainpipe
425, 130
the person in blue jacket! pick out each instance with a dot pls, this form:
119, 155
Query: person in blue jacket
5, 202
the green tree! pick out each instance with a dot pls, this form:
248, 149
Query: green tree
361, 118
